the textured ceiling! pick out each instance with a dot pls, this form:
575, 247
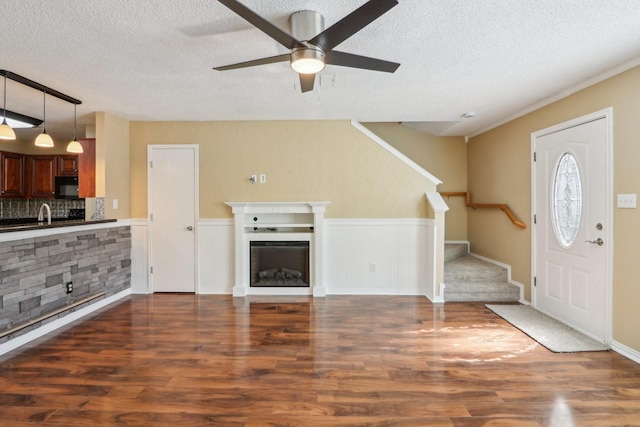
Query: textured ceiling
152, 60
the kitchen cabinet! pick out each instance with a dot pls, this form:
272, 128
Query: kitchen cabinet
87, 168
41, 172
67, 165
12, 175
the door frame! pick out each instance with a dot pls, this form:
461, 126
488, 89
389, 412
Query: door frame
607, 115
196, 207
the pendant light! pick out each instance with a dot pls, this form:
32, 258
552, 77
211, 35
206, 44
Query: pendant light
74, 146
6, 132
44, 139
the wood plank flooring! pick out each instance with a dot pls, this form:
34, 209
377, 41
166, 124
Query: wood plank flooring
185, 360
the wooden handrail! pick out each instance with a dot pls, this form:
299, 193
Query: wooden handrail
503, 207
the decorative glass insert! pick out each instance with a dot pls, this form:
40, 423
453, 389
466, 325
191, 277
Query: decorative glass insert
567, 200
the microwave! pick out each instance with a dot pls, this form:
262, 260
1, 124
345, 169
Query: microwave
66, 187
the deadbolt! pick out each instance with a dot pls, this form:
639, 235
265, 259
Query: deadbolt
599, 226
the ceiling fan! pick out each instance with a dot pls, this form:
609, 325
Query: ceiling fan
311, 46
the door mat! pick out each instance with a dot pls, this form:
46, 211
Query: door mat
551, 333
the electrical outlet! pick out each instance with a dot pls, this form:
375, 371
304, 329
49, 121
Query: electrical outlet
372, 267
253, 179
69, 286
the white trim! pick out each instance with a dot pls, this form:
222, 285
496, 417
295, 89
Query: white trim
437, 202
607, 115
382, 143
627, 352
509, 280
438, 299
60, 322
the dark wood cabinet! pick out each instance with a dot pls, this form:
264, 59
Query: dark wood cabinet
12, 178
67, 165
42, 172
24, 176
87, 168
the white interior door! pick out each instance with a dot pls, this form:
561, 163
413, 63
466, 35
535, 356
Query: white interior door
173, 207
572, 231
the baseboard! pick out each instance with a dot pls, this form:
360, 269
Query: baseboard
625, 351
58, 323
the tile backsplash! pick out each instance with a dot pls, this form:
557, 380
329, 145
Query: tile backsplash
28, 208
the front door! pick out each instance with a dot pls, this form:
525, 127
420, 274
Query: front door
173, 207
572, 237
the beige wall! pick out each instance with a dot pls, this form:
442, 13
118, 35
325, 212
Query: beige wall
303, 160
444, 157
113, 176
499, 168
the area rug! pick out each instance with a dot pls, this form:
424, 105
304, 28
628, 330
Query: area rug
551, 333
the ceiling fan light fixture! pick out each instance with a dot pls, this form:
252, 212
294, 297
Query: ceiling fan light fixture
307, 61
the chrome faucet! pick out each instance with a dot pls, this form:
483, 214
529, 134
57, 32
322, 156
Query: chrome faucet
41, 213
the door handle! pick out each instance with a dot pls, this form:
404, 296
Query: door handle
598, 242
190, 228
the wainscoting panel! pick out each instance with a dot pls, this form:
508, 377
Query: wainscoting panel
215, 256
362, 256
139, 256
378, 256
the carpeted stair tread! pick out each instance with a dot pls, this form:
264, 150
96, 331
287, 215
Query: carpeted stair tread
468, 278
471, 269
481, 291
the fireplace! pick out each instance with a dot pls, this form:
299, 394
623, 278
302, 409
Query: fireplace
279, 263
278, 248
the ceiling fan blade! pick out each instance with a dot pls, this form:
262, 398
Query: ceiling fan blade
352, 23
262, 61
262, 24
306, 82
357, 61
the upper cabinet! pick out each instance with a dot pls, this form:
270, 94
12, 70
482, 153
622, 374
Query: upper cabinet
24, 176
41, 172
12, 175
67, 165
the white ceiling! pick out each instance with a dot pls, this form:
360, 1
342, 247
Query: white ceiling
152, 60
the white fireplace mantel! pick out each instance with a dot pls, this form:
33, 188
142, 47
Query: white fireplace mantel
278, 221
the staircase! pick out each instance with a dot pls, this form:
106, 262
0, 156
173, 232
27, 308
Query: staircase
468, 278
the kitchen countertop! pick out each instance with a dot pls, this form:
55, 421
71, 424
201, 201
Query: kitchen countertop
58, 223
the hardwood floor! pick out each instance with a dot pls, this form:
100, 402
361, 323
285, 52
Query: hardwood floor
185, 360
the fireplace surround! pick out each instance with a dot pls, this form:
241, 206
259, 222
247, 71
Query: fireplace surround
265, 226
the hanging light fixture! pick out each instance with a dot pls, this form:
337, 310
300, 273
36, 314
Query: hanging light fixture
6, 132
44, 139
74, 146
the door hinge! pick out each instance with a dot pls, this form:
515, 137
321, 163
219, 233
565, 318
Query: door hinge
534, 156
151, 270
151, 164
535, 281
151, 217
535, 219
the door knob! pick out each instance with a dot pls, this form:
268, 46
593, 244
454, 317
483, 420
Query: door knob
190, 228
598, 242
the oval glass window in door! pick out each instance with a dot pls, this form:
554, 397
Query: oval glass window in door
566, 200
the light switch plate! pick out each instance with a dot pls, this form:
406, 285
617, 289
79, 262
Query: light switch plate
627, 201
